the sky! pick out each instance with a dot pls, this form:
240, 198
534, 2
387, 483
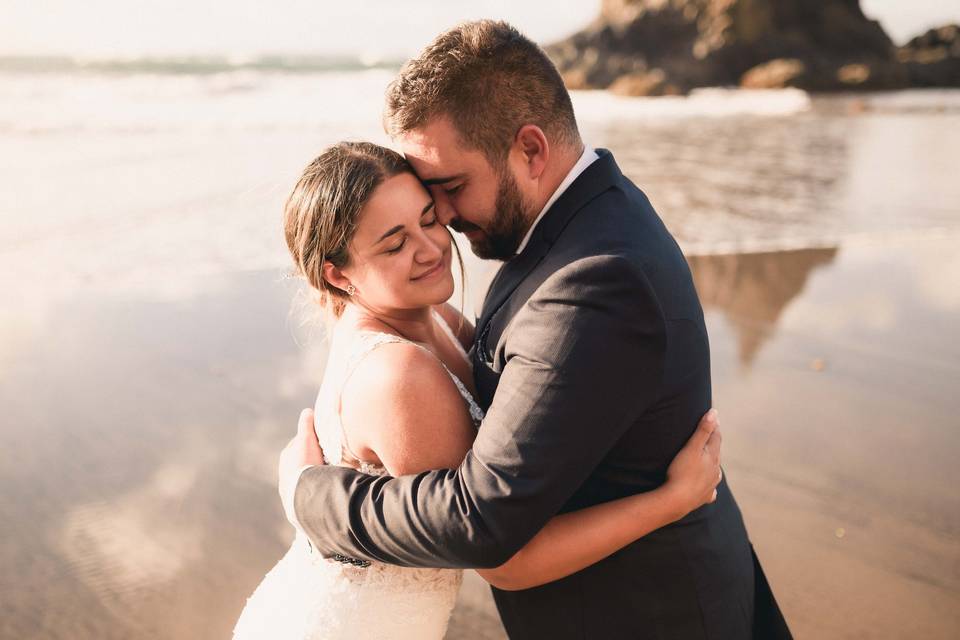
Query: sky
383, 28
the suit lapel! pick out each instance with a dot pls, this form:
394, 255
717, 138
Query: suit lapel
596, 179
511, 274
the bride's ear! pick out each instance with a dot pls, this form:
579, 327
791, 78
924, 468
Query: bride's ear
334, 276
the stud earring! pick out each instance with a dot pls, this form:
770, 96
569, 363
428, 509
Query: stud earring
351, 289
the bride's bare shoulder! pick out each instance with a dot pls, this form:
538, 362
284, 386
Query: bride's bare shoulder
401, 404
394, 371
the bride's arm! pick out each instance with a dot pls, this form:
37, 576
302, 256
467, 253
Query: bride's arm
573, 541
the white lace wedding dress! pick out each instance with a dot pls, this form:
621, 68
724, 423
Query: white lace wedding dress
308, 597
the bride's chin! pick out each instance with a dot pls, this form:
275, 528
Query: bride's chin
443, 291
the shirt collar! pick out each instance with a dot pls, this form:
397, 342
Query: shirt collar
586, 159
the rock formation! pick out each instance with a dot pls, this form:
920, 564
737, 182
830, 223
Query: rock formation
655, 47
933, 59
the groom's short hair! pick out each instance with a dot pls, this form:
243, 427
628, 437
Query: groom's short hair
490, 80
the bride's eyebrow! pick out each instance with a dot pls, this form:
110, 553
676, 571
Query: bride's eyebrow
389, 233
399, 227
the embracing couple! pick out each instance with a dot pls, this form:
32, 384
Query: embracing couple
563, 447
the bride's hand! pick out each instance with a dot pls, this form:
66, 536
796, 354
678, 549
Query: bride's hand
694, 474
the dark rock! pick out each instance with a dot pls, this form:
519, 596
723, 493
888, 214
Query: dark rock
651, 47
776, 74
644, 83
933, 58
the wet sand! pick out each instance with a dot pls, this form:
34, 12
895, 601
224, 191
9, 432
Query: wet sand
140, 435
836, 373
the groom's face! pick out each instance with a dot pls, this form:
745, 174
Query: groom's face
471, 196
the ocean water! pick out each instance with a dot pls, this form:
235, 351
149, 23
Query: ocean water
114, 178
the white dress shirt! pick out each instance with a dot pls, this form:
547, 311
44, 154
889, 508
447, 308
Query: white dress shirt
586, 159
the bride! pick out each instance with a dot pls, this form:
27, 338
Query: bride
397, 399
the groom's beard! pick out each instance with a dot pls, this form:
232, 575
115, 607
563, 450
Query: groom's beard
499, 241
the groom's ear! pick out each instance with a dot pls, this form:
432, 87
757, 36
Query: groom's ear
534, 149
334, 276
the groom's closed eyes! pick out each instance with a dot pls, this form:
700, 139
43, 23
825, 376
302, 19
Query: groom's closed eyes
443, 180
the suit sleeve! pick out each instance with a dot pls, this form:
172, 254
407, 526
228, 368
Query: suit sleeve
584, 359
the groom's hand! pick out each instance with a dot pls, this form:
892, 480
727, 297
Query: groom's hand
302, 451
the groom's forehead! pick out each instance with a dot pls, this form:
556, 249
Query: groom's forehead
433, 149
427, 160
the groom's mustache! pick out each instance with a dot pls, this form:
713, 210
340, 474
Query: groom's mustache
461, 226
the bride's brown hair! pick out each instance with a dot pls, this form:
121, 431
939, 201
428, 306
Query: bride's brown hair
321, 214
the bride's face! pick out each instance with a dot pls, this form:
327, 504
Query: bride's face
400, 254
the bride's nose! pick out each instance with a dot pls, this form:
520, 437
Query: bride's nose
427, 250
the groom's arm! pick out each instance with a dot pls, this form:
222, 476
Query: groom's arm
585, 360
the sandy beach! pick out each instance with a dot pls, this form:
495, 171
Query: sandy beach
154, 358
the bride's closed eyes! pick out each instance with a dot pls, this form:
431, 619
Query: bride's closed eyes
428, 219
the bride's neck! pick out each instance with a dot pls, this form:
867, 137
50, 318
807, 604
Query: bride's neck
412, 324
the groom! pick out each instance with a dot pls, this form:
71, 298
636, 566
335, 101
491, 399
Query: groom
591, 361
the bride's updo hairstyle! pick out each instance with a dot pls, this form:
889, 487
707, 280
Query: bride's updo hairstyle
321, 213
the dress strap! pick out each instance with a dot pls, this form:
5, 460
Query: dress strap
368, 341
450, 334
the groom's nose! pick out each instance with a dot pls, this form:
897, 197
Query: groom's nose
445, 211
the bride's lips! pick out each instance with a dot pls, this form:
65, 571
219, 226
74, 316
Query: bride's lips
432, 271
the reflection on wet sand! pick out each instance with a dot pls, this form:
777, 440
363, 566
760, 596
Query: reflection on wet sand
130, 542
753, 289
846, 472
143, 439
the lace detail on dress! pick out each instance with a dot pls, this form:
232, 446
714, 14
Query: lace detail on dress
305, 597
476, 413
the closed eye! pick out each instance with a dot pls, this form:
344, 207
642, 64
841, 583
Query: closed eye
453, 190
428, 218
